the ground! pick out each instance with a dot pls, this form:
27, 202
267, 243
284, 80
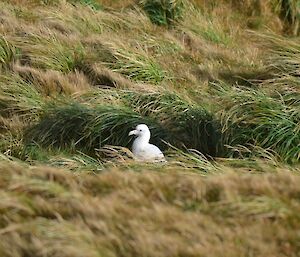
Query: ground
216, 81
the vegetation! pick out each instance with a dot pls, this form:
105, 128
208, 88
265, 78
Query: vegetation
163, 12
218, 84
7, 53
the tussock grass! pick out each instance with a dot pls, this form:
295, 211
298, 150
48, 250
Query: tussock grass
94, 5
77, 163
137, 65
184, 160
64, 68
87, 127
8, 53
25, 13
190, 125
289, 13
163, 12
11, 138
83, 20
92, 126
11, 145
51, 208
212, 30
252, 117
19, 97
100, 76
50, 52
192, 160
282, 63
52, 83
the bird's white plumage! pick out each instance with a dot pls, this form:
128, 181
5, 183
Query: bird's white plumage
141, 148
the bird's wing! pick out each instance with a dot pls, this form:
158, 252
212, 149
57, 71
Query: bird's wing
153, 152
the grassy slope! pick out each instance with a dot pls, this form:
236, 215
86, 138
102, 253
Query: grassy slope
51, 212
75, 79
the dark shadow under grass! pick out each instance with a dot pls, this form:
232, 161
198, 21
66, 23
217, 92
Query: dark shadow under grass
191, 125
163, 12
88, 128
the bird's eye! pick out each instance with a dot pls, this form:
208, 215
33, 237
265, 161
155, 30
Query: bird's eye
140, 130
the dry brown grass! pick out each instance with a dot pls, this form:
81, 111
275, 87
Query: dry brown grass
50, 212
207, 45
117, 3
112, 206
254, 13
52, 82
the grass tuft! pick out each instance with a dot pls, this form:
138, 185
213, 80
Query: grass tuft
19, 97
189, 125
88, 128
163, 12
207, 27
283, 63
137, 65
83, 20
94, 5
252, 117
51, 53
8, 53
191, 160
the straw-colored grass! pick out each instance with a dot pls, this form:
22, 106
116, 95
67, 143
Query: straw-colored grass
19, 97
55, 213
272, 123
50, 52
222, 103
8, 53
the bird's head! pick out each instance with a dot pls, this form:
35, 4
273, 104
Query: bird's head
141, 130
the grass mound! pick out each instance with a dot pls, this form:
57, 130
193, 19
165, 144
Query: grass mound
92, 126
19, 97
190, 125
137, 65
268, 122
283, 63
163, 12
50, 52
50, 211
8, 53
88, 128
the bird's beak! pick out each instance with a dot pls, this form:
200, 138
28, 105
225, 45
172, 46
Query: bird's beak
132, 132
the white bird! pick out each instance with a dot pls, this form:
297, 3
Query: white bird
141, 148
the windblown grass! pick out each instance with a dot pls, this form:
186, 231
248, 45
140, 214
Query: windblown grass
11, 145
252, 117
137, 66
19, 97
87, 127
8, 53
283, 63
289, 13
163, 12
88, 214
93, 4
77, 76
207, 28
51, 83
190, 125
50, 52
82, 20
